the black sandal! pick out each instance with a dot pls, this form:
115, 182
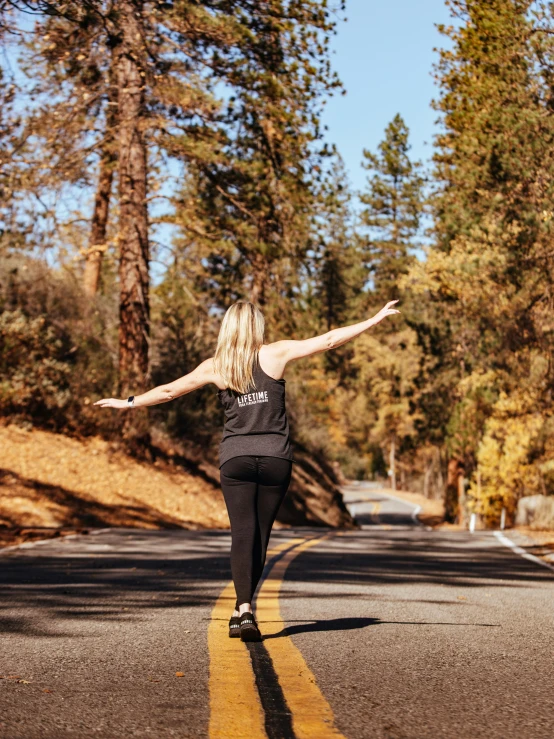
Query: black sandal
234, 627
249, 630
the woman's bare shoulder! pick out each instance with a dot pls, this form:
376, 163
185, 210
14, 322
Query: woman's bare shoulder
276, 348
207, 368
271, 360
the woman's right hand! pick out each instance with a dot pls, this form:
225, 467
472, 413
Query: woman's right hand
388, 310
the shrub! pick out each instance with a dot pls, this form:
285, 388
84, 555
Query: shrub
58, 349
35, 367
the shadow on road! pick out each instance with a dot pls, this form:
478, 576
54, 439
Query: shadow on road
347, 624
375, 556
331, 624
120, 575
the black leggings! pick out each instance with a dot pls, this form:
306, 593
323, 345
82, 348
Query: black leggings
253, 488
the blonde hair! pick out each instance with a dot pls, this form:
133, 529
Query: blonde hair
240, 337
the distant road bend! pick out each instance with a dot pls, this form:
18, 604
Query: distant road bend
392, 631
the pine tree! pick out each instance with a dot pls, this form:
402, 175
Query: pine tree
261, 189
11, 138
393, 208
338, 271
71, 64
106, 169
392, 214
134, 278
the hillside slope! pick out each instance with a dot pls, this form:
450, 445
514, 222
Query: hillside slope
49, 480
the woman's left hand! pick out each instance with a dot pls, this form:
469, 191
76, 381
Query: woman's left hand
112, 403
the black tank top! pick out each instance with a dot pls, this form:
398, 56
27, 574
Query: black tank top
255, 423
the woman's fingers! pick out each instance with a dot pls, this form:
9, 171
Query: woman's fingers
111, 403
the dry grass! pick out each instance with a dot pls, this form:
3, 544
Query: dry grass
542, 537
50, 481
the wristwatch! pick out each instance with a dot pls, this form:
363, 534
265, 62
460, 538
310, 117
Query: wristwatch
131, 401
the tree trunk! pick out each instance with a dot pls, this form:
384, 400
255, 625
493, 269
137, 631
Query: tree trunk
392, 463
461, 518
427, 476
134, 308
258, 284
98, 229
452, 491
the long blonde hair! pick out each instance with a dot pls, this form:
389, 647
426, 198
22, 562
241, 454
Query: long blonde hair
240, 337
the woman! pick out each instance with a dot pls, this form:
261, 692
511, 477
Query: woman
255, 454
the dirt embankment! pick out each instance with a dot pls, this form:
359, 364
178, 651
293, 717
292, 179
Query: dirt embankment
52, 484
314, 496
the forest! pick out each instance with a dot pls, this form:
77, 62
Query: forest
161, 160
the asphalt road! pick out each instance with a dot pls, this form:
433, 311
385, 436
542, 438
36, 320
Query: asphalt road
392, 631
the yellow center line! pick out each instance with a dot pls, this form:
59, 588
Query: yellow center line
235, 708
312, 716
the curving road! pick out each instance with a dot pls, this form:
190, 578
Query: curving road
391, 631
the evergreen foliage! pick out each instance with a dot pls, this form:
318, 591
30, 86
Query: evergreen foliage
490, 269
393, 208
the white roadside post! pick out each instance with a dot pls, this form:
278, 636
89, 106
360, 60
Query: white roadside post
503, 519
473, 518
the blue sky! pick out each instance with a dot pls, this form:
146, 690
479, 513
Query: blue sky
384, 56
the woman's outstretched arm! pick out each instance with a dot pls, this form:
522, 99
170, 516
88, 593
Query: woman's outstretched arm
200, 376
291, 349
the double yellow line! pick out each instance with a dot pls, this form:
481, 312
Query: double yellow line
235, 707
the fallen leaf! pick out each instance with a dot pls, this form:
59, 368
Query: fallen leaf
179, 674
24, 682
186, 631
14, 677
462, 597
46, 690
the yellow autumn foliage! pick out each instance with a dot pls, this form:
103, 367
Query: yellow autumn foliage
505, 458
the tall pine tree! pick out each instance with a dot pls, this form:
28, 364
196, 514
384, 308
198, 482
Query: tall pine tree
393, 208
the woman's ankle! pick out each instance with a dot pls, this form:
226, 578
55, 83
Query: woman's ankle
245, 608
